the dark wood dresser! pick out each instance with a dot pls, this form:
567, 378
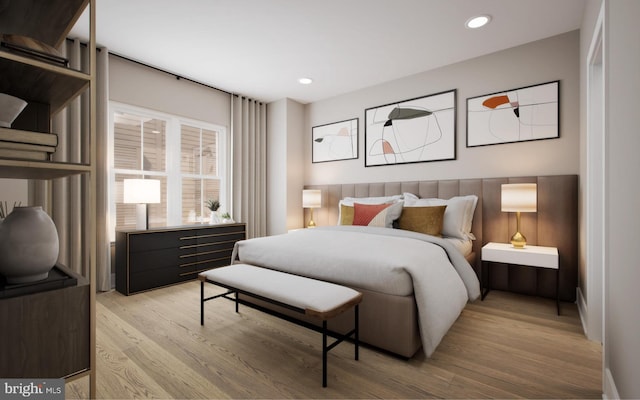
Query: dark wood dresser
148, 259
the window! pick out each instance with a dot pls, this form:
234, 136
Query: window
187, 156
199, 168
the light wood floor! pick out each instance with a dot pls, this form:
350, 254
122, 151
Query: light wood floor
151, 345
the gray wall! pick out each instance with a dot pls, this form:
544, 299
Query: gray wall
137, 85
555, 58
284, 166
14, 191
592, 171
622, 273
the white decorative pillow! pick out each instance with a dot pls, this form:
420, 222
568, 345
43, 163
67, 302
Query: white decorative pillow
409, 199
349, 201
458, 216
371, 200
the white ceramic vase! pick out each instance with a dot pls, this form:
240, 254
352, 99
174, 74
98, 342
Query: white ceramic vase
29, 245
10, 108
214, 218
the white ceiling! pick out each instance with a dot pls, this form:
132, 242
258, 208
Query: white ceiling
259, 48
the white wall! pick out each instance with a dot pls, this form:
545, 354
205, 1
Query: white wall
555, 58
622, 272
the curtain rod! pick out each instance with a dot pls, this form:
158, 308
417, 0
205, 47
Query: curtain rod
178, 77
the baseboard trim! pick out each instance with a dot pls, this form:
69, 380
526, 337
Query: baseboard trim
610, 390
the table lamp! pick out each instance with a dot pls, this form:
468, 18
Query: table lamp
519, 197
142, 192
311, 199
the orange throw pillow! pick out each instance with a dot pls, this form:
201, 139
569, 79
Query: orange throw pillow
369, 214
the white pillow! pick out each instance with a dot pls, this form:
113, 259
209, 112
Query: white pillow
371, 200
458, 216
409, 198
348, 201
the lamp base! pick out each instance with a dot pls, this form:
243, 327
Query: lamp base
142, 218
311, 223
518, 240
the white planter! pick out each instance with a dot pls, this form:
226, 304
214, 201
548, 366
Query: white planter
29, 245
214, 218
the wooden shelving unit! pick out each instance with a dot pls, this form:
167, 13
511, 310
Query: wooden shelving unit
37, 80
55, 86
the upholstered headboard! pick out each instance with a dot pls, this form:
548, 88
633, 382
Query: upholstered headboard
554, 224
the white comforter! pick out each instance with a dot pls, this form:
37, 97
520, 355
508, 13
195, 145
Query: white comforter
385, 260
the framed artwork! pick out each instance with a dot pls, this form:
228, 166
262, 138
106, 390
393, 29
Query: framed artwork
335, 141
410, 131
517, 115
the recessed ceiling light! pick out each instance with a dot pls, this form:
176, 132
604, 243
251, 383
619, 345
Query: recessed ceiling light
478, 21
305, 81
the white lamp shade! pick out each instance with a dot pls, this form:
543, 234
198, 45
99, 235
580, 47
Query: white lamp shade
311, 198
141, 191
520, 197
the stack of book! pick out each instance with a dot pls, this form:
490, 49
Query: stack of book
27, 145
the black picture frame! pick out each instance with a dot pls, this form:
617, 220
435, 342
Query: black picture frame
335, 141
422, 129
517, 115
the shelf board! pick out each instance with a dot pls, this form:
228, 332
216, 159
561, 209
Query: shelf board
24, 169
33, 80
48, 21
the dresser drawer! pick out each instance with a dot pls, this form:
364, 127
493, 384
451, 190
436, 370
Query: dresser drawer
155, 259
221, 230
205, 261
225, 242
140, 242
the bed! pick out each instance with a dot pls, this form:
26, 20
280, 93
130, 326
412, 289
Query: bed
413, 296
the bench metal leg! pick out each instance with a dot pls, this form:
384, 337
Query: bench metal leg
201, 302
357, 330
324, 330
204, 299
324, 353
325, 349
558, 290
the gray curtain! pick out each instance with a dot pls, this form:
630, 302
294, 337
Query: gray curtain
67, 199
249, 164
103, 253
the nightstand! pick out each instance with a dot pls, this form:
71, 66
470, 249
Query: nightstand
530, 256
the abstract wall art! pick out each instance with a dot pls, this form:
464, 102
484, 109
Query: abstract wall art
416, 130
335, 141
517, 115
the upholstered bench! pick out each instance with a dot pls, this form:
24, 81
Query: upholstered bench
314, 298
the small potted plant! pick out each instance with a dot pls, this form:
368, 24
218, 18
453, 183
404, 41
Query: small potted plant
226, 218
213, 205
